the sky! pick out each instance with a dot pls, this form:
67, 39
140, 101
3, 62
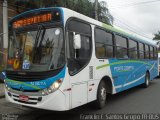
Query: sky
138, 16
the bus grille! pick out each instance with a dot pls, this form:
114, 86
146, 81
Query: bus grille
31, 100
31, 103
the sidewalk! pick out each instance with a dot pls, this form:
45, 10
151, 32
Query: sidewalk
2, 90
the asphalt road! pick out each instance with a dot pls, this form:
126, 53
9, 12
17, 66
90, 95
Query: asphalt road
133, 101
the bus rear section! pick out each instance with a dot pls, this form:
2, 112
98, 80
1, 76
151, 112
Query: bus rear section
128, 61
159, 62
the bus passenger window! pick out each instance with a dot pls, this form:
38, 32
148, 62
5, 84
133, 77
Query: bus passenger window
133, 49
100, 50
155, 53
121, 44
141, 51
147, 52
104, 44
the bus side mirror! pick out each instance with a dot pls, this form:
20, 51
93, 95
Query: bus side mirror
77, 41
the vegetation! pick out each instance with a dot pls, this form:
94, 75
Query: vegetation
157, 36
85, 7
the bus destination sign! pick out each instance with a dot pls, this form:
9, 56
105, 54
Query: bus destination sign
32, 20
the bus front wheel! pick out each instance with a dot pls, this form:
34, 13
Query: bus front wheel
101, 95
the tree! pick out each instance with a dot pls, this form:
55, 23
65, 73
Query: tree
157, 36
86, 7
22, 5
104, 14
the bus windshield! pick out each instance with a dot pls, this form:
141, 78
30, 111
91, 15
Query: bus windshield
36, 51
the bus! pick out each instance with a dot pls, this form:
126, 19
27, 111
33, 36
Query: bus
159, 61
158, 46
59, 59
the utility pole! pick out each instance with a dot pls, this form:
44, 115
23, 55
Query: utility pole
5, 32
5, 25
96, 9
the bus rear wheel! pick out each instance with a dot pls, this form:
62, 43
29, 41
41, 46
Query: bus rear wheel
147, 81
101, 95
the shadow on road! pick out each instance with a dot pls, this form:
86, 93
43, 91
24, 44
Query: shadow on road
126, 93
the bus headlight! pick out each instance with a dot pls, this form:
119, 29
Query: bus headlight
53, 87
8, 88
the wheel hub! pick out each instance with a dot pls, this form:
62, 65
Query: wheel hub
103, 94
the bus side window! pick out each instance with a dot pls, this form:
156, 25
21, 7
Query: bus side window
85, 50
151, 52
141, 51
121, 45
155, 53
104, 44
147, 52
78, 58
133, 53
100, 50
82, 55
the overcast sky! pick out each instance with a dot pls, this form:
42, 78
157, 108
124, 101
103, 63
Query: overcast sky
144, 18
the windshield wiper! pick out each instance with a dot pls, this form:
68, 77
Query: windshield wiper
36, 45
43, 34
38, 35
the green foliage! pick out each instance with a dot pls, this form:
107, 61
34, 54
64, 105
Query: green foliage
157, 36
104, 14
85, 7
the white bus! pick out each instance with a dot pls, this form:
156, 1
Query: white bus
159, 62
59, 59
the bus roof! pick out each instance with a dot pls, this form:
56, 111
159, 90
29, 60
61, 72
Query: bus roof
114, 29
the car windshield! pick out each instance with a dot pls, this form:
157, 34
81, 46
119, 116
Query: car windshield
40, 50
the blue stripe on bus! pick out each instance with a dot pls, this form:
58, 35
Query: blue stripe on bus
128, 72
41, 84
125, 87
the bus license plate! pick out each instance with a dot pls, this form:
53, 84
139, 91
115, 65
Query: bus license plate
23, 98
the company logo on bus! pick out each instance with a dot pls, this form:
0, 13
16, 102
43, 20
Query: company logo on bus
32, 20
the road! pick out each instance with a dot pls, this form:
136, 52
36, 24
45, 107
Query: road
135, 100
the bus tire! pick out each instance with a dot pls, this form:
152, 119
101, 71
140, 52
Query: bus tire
147, 80
101, 95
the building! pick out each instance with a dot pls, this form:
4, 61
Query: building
3, 43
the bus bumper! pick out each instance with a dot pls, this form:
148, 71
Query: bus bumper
55, 101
